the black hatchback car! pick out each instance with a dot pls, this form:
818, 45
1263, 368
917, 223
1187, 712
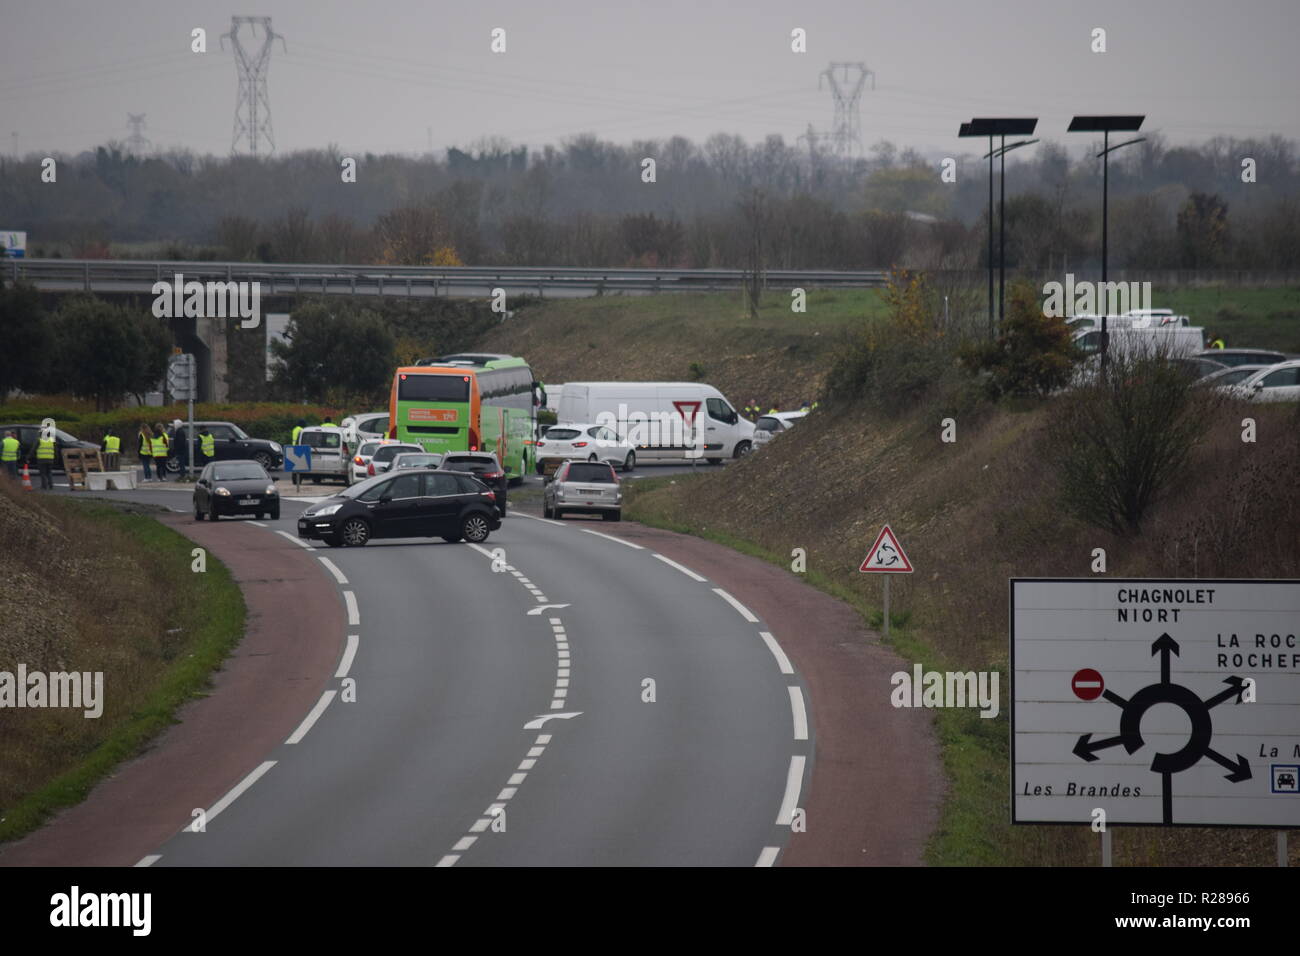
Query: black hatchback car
484, 466
230, 442
235, 488
412, 504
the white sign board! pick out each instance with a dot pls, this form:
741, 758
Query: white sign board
13, 244
1135, 697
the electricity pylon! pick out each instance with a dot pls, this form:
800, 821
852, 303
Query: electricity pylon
136, 144
253, 105
846, 133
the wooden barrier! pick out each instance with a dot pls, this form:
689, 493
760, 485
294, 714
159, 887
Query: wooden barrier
77, 462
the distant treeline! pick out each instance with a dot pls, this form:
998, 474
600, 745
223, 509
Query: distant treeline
725, 203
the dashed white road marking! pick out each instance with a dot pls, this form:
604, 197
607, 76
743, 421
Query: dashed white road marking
333, 569
680, 567
537, 722
295, 540
793, 784
149, 860
349, 653
312, 717
744, 611
464, 843
354, 615
232, 796
448, 860
782, 661
768, 856
799, 713
610, 537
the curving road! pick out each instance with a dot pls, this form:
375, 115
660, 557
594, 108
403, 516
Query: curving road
432, 763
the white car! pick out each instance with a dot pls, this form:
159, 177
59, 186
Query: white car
585, 442
769, 426
359, 467
370, 426
1277, 383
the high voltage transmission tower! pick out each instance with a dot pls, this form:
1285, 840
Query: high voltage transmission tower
136, 144
253, 106
845, 136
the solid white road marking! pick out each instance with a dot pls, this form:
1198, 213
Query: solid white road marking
333, 569
294, 539
349, 653
520, 514
149, 860
232, 796
610, 537
800, 714
744, 611
312, 717
260, 525
481, 550
680, 567
782, 661
793, 783
768, 856
354, 616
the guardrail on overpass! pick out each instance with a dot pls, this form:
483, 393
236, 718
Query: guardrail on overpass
120, 275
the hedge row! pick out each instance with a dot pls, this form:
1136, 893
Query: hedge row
269, 420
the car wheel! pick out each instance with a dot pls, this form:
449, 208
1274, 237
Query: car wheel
265, 460
743, 449
629, 462
547, 511
715, 461
198, 513
612, 515
540, 468
355, 533
474, 528
557, 514
212, 512
274, 514
315, 480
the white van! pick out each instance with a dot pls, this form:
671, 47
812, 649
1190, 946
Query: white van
664, 421
1168, 341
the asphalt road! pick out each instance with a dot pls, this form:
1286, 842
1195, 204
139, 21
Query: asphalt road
432, 762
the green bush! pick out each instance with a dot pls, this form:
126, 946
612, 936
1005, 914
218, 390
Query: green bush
1032, 355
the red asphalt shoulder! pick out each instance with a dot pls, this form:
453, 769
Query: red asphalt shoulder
292, 641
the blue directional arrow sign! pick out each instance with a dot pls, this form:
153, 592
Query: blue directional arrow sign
297, 458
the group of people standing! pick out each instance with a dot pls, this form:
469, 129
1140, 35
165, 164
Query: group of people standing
154, 444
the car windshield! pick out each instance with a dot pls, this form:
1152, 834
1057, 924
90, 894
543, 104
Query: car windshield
239, 432
240, 472
562, 434
592, 472
320, 439
416, 461
64, 436
361, 487
474, 466
367, 449
768, 424
389, 452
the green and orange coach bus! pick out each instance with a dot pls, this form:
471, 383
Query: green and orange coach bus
469, 402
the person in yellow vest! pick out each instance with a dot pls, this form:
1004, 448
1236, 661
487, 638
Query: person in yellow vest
752, 411
159, 449
144, 449
9, 454
328, 423
112, 450
1216, 342
297, 430
45, 447
773, 410
207, 446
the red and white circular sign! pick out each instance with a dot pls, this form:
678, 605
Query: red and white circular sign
1087, 684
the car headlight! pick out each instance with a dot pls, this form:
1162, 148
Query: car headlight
277, 448
270, 489
327, 510
224, 491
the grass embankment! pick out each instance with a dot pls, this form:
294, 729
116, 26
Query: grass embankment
782, 358
90, 587
971, 515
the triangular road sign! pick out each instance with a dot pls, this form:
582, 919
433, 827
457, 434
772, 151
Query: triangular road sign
887, 555
688, 410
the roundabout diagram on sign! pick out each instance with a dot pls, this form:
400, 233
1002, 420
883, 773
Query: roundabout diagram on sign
1089, 684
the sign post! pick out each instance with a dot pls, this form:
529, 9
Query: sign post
888, 558
182, 383
1155, 702
297, 460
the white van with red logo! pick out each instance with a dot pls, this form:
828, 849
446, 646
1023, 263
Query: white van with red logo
663, 421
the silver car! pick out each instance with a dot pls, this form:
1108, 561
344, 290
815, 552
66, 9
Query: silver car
416, 459
383, 456
583, 487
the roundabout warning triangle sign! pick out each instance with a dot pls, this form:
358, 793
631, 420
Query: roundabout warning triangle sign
887, 555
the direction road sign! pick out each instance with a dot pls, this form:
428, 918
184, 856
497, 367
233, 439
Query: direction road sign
1169, 702
297, 458
887, 555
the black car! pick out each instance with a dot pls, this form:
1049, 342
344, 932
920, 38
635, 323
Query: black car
28, 435
232, 443
412, 504
235, 488
484, 466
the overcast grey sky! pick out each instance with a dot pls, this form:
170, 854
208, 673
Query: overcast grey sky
376, 76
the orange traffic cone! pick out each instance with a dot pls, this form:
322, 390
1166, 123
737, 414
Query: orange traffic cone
27, 477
